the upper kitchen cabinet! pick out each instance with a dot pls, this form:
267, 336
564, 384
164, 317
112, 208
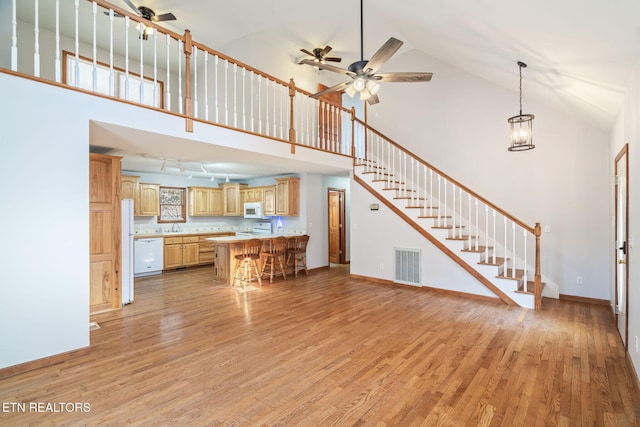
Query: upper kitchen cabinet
205, 201
287, 196
232, 203
146, 197
269, 194
149, 199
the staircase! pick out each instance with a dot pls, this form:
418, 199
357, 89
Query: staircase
497, 249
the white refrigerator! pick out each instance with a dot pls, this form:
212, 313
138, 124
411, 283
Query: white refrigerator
127, 251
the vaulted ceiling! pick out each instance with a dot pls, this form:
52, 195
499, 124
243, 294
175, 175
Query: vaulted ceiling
580, 53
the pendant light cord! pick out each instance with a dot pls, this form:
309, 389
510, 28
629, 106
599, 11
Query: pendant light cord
520, 66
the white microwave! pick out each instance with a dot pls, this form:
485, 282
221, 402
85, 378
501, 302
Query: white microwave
253, 210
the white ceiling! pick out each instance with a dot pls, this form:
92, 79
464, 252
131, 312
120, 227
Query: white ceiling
580, 53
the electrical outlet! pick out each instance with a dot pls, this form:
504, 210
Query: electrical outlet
547, 229
637, 344
381, 266
579, 280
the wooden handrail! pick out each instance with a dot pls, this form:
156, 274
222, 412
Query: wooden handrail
522, 224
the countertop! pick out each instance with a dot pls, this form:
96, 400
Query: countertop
243, 237
181, 234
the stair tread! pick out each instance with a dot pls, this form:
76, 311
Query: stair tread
507, 275
447, 227
377, 172
387, 180
499, 261
529, 289
463, 237
480, 249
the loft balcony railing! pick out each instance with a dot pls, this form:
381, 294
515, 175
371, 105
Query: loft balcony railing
100, 48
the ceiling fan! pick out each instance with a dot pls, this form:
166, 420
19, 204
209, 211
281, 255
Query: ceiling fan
320, 54
148, 14
363, 73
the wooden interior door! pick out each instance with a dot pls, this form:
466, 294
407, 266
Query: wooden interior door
329, 120
336, 226
104, 233
621, 249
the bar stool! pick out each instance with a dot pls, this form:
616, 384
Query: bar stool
297, 252
246, 267
277, 252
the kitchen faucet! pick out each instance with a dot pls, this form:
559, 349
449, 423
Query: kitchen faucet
175, 227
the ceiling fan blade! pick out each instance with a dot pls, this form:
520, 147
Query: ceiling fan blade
332, 59
373, 99
383, 54
132, 6
327, 67
164, 17
403, 77
337, 88
325, 51
307, 52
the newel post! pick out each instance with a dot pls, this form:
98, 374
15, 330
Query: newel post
292, 130
188, 102
537, 291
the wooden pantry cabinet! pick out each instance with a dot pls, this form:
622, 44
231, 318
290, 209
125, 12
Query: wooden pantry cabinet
104, 233
232, 203
146, 197
205, 201
287, 196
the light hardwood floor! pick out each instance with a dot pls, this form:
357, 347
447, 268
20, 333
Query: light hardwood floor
331, 350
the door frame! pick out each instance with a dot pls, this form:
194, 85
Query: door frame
623, 155
342, 213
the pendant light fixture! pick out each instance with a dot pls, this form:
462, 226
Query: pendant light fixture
521, 125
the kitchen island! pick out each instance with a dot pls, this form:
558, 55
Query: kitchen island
226, 248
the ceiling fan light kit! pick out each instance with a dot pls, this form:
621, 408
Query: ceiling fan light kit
148, 14
521, 126
364, 74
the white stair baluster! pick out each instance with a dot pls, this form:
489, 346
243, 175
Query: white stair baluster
194, 95
260, 106
506, 251
235, 95
477, 225
494, 236
470, 220
156, 98
216, 63
453, 208
226, 92
431, 193
140, 34
442, 207
77, 43
36, 41
244, 98
251, 106
126, 57
206, 85
513, 246
524, 234
180, 54
58, 63
112, 74
167, 85
460, 208
446, 207
486, 232
14, 37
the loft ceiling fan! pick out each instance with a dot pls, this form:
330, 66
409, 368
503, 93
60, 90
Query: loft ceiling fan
363, 73
320, 54
148, 14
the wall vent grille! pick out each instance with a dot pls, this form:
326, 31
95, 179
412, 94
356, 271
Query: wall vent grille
407, 266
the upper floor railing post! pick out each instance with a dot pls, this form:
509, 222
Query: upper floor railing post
292, 130
537, 291
188, 102
353, 133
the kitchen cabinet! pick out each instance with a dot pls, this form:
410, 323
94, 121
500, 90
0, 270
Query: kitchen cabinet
104, 233
253, 194
180, 252
205, 201
146, 197
149, 199
269, 195
288, 196
232, 205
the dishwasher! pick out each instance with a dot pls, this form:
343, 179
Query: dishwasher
147, 256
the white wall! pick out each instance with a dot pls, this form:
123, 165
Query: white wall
457, 122
44, 303
627, 130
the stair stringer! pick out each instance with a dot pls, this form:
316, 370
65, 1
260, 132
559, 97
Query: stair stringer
505, 289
